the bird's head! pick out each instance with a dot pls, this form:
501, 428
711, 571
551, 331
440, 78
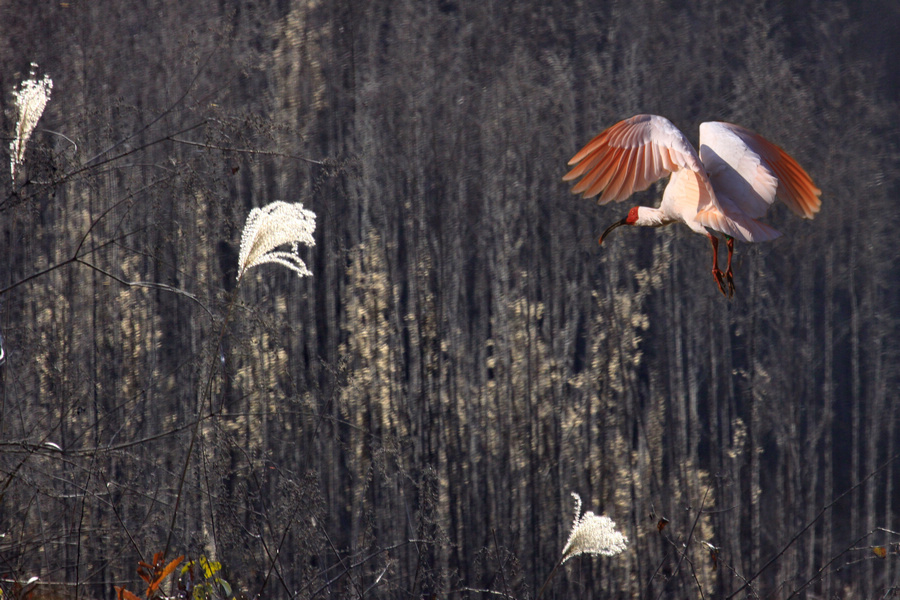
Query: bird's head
631, 219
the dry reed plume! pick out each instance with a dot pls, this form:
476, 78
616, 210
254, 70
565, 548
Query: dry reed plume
276, 224
593, 534
30, 100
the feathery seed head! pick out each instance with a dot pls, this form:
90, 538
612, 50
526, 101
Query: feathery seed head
592, 534
30, 100
276, 224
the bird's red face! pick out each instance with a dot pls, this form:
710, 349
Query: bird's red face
631, 219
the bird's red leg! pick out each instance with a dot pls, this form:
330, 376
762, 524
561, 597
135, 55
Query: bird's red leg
729, 276
715, 268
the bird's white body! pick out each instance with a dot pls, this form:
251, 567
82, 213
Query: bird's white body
726, 187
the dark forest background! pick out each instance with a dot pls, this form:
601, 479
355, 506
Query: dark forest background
410, 421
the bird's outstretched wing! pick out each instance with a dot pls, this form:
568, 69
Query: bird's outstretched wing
631, 155
749, 171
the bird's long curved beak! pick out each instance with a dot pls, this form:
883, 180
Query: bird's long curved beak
611, 227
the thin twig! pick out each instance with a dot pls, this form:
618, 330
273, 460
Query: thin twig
377, 580
687, 543
273, 566
248, 151
76, 253
122, 524
166, 138
478, 591
358, 563
347, 570
146, 284
165, 112
735, 572
826, 565
810, 524
206, 394
499, 562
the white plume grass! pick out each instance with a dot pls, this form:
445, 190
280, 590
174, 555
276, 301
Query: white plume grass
272, 226
30, 99
593, 534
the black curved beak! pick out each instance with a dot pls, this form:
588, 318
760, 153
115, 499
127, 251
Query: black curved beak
611, 227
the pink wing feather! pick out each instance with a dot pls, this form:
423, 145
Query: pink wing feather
630, 156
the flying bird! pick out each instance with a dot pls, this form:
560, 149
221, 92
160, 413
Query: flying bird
725, 188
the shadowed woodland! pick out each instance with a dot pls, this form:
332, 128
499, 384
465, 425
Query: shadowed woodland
410, 420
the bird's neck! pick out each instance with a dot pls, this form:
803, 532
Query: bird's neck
652, 217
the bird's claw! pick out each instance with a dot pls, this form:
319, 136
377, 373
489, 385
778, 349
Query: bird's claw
724, 280
720, 281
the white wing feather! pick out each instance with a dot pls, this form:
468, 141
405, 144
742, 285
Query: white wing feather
769, 170
735, 170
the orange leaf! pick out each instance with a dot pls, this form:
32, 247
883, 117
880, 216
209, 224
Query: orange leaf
171, 567
880, 551
163, 574
124, 594
661, 524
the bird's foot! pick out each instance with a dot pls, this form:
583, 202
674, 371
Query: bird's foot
720, 281
729, 278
